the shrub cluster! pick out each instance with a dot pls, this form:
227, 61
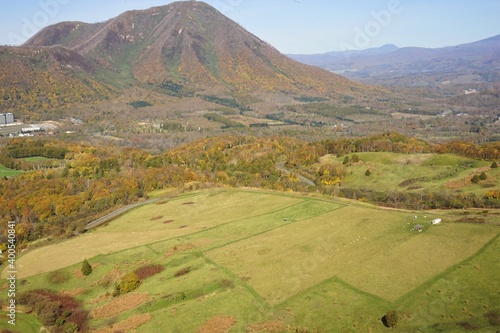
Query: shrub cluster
64, 313
129, 283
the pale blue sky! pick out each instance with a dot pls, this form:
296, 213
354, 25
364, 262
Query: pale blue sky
292, 26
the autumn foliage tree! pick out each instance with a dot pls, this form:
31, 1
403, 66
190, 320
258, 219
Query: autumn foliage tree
127, 284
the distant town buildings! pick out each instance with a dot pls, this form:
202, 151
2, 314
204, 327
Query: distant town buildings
6, 119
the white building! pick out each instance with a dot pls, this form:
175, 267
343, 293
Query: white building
6, 119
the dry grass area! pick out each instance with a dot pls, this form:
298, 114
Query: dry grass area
457, 184
412, 159
123, 233
127, 325
112, 276
78, 273
220, 324
73, 293
275, 326
119, 305
177, 249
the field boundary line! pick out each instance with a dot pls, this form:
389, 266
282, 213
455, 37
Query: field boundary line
434, 279
198, 232
233, 275
268, 230
123, 210
117, 213
337, 280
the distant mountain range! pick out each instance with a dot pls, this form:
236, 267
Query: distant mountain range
477, 62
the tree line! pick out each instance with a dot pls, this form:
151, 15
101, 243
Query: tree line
90, 181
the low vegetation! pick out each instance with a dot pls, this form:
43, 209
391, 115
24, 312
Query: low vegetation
62, 313
140, 104
265, 259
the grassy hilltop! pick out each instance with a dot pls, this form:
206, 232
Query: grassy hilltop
255, 261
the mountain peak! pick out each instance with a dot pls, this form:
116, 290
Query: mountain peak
189, 43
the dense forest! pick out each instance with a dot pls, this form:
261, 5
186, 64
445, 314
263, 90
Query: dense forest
70, 184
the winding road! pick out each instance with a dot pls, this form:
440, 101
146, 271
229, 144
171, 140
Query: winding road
281, 167
116, 213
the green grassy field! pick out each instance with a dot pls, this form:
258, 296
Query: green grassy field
24, 323
441, 172
264, 261
6, 172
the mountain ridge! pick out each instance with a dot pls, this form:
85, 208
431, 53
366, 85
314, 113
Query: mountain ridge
191, 44
458, 63
45, 78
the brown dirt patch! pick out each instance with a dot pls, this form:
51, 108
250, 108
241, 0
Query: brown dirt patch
127, 325
99, 299
78, 273
178, 249
154, 218
119, 305
147, 271
473, 220
168, 221
274, 326
73, 293
109, 278
461, 183
161, 203
189, 203
182, 271
220, 324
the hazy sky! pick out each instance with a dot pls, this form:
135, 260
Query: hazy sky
292, 26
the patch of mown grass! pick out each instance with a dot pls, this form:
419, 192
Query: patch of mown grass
6, 172
336, 307
466, 294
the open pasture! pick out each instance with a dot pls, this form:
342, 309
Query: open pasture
417, 172
247, 260
367, 248
167, 219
